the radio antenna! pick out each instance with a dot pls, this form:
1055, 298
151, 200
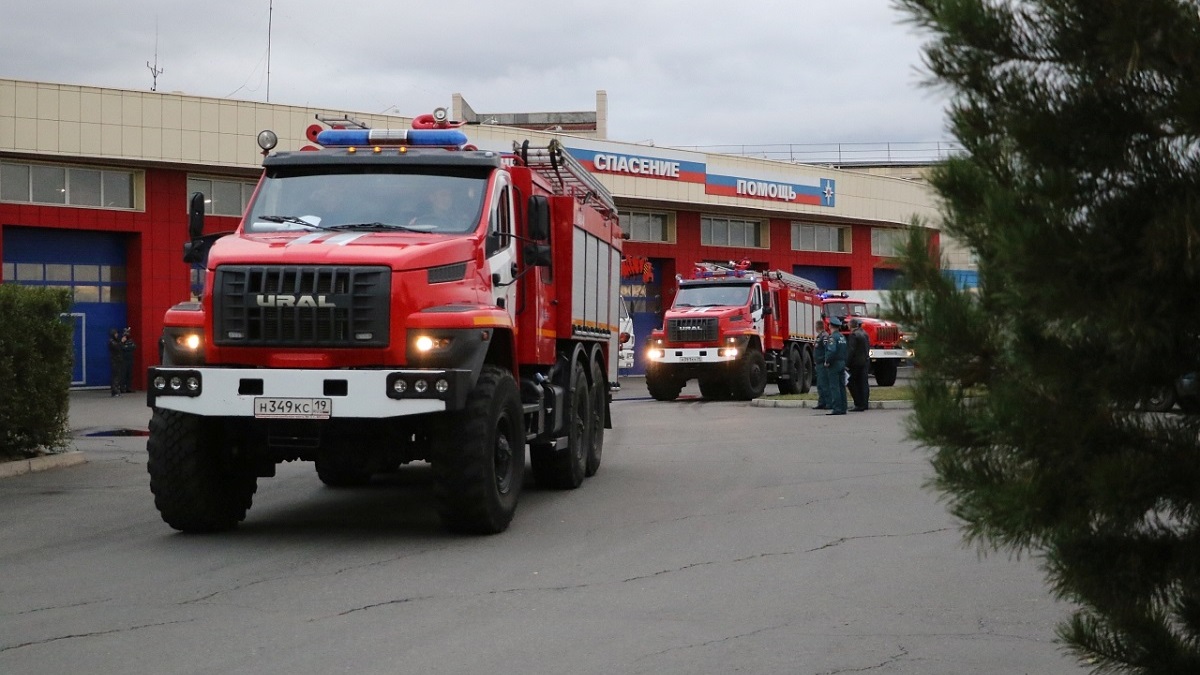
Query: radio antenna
155, 71
270, 17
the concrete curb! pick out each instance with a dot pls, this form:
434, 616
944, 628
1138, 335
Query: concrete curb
45, 462
791, 403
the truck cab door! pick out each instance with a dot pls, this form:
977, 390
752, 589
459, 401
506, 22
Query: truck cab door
501, 247
756, 309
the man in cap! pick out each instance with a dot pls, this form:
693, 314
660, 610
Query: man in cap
858, 361
819, 350
835, 367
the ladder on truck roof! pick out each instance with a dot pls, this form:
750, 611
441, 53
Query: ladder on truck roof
797, 282
557, 166
743, 269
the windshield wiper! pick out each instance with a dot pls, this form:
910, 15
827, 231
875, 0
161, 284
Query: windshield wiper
375, 226
294, 220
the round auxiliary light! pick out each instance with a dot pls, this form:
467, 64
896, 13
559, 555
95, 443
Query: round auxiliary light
267, 140
160, 382
400, 386
176, 383
193, 383
442, 386
420, 386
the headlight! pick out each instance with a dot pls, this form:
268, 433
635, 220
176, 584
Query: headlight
427, 343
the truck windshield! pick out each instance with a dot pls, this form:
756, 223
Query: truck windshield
843, 309
731, 295
379, 201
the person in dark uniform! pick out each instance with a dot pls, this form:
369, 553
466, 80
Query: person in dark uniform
819, 349
116, 361
127, 347
857, 360
835, 366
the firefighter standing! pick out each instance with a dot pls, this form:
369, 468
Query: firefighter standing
116, 361
835, 367
819, 351
127, 347
857, 360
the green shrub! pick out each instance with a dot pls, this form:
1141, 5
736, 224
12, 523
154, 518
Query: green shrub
35, 370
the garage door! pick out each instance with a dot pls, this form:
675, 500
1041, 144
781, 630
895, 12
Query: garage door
92, 266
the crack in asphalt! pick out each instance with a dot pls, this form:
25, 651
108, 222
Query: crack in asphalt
883, 664
35, 610
333, 573
72, 636
651, 575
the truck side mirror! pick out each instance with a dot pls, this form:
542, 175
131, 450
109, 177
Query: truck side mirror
538, 211
537, 255
196, 215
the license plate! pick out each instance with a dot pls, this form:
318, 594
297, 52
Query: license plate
690, 359
293, 408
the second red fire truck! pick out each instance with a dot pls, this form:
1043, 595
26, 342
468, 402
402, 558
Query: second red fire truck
734, 330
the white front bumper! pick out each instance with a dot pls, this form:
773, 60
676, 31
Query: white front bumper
695, 355
365, 392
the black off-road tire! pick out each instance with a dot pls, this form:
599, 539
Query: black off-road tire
791, 384
480, 464
662, 386
750, 379
197, 485
807, 371
885, 372
599, 406
566, 469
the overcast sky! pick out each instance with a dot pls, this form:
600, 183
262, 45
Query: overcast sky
677, 72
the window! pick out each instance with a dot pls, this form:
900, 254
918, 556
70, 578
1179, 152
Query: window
222, 197
721, 231
66, 185
887, 242
14, 182
828, 238
117, 188
84, 186
49, 184
645, 226
87, 283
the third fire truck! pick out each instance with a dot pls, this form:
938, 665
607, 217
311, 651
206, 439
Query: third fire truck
735, 329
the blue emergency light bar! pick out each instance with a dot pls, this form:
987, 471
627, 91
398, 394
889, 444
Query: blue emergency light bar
358, 137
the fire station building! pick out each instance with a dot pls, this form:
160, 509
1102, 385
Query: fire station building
94, 186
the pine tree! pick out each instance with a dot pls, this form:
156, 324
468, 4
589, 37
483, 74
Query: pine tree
1078, 190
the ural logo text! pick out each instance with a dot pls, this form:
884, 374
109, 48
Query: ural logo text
293, 301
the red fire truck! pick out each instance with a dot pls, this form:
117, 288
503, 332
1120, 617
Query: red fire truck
393, 296
888, 347
734, 330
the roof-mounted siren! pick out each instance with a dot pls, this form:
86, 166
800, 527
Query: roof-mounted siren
438, 119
